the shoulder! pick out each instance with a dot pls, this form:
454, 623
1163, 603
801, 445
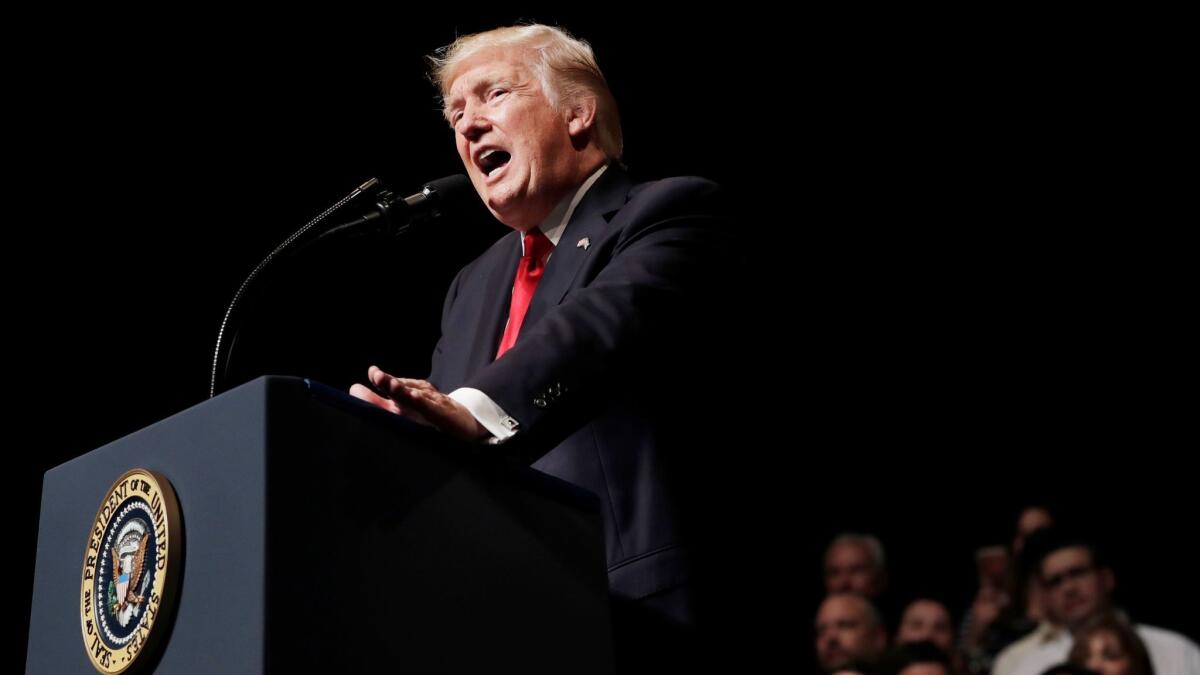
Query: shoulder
682, 194
1010, 658
1163, 639
675, 186
687, 207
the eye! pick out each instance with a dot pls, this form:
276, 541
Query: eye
496, 93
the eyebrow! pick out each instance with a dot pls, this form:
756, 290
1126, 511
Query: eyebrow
483, 85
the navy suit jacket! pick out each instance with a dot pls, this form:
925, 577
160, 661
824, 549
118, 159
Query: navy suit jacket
597, 377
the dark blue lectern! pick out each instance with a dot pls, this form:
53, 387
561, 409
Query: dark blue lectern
321, 534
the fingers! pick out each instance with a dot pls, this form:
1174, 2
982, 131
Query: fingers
420, 401
378, 378
363, 392
417, 399
396, 386
423, 385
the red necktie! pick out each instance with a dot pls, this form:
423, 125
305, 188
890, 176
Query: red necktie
529, 272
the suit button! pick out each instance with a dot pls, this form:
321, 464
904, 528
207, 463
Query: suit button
539, 402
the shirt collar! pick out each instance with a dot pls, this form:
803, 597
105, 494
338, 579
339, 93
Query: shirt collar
556, 222
1048, 632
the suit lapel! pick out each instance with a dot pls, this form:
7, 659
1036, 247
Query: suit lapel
495, 298
590, 220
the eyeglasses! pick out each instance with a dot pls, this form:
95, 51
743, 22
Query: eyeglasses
1069, 573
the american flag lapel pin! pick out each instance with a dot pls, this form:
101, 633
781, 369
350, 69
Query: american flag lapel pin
584, 243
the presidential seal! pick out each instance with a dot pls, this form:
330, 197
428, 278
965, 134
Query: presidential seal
130, 570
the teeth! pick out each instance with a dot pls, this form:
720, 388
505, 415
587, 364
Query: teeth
486, 154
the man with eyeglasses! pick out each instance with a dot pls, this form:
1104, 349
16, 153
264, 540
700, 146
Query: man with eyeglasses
1078, 585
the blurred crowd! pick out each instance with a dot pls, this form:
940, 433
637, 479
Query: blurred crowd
1044, 605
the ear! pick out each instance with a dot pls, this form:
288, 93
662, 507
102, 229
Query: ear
581, 116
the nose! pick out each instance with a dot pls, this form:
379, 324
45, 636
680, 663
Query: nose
472, 125
829, 645
1070, 588
824, 642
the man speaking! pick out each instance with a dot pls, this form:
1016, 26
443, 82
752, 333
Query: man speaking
576, 341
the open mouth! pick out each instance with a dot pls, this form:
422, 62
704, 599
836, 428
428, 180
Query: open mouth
492, 160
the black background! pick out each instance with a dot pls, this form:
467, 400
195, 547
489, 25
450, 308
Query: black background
963, 303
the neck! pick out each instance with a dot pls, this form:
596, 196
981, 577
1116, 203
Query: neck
579, 175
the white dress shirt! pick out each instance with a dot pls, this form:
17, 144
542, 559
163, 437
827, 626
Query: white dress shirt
1170, 652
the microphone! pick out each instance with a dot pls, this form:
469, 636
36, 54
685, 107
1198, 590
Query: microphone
392, 213
442, 191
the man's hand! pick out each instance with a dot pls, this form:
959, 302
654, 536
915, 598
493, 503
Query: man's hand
421, 402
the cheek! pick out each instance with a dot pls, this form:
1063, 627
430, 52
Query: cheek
524, 152
466, 163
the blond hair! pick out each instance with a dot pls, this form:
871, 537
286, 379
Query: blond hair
564, 65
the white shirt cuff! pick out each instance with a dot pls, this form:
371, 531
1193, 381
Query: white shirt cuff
500, 424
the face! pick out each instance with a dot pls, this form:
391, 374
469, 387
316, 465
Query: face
845, 632
1075, 588
516, 148
925, 669
1105, 655
850, 569
925, 620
